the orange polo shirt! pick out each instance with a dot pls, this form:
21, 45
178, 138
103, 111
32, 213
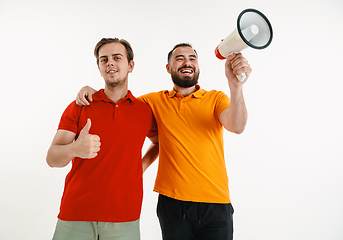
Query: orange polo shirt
191, 155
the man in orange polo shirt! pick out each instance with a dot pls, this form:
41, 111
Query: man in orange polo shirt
194, 200
103, 191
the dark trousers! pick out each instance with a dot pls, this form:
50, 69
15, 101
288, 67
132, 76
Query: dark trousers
182, 220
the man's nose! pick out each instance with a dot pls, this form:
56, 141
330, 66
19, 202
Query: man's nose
110, 63
187, 62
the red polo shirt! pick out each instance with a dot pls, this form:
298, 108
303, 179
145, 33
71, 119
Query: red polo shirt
107, 188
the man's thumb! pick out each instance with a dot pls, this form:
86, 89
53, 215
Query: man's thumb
87, 126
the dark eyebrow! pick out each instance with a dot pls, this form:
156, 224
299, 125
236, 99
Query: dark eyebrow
113, 55
194, 56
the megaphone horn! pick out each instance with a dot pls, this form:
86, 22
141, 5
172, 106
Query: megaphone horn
253, 30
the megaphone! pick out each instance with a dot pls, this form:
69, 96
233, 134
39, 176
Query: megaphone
253, 30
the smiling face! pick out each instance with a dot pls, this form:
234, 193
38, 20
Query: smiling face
113, 64
183, 67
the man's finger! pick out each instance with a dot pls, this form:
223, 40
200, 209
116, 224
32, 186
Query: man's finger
81, 101
90, 98
231, 56
87, 127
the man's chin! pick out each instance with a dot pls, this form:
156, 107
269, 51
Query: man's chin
185, 84
184, 81
115, 84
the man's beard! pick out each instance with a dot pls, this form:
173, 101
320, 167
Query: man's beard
184, 81
115, 84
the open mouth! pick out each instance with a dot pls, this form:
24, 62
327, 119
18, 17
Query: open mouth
186, 70
112, 71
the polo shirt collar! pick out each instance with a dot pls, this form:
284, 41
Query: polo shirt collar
197, 94
101, 96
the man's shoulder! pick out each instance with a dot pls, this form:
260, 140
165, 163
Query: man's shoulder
214, 93
139, 102
73, 107
152, 95
155, 93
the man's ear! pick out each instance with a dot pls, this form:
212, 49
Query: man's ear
131, 66
168, 68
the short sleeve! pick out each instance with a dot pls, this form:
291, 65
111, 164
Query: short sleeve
222, 103
153, 131
70, 118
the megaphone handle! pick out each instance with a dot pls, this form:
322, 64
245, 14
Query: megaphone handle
241, 77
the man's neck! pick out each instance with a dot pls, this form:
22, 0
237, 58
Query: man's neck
117, 93
185, 91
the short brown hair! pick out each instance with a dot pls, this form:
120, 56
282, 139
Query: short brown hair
113, 40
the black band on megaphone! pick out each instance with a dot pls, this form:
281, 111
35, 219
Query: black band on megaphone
266, 20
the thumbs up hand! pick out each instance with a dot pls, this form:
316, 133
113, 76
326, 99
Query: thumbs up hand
87, 145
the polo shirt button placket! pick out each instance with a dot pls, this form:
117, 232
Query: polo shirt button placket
115, 114
182, 107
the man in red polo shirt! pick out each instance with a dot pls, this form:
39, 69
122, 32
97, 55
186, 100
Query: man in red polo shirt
103, 191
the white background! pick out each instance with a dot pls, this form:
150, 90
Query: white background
285, 170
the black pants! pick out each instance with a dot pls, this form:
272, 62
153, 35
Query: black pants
182, 220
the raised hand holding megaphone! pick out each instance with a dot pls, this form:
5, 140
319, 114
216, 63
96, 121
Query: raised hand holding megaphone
253, 30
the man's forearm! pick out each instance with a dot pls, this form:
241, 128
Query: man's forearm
150, 156
234, 119
238, 112
60, 155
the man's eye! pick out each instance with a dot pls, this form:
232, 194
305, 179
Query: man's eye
103, 60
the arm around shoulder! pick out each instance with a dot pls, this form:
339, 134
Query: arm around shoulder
84, 96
